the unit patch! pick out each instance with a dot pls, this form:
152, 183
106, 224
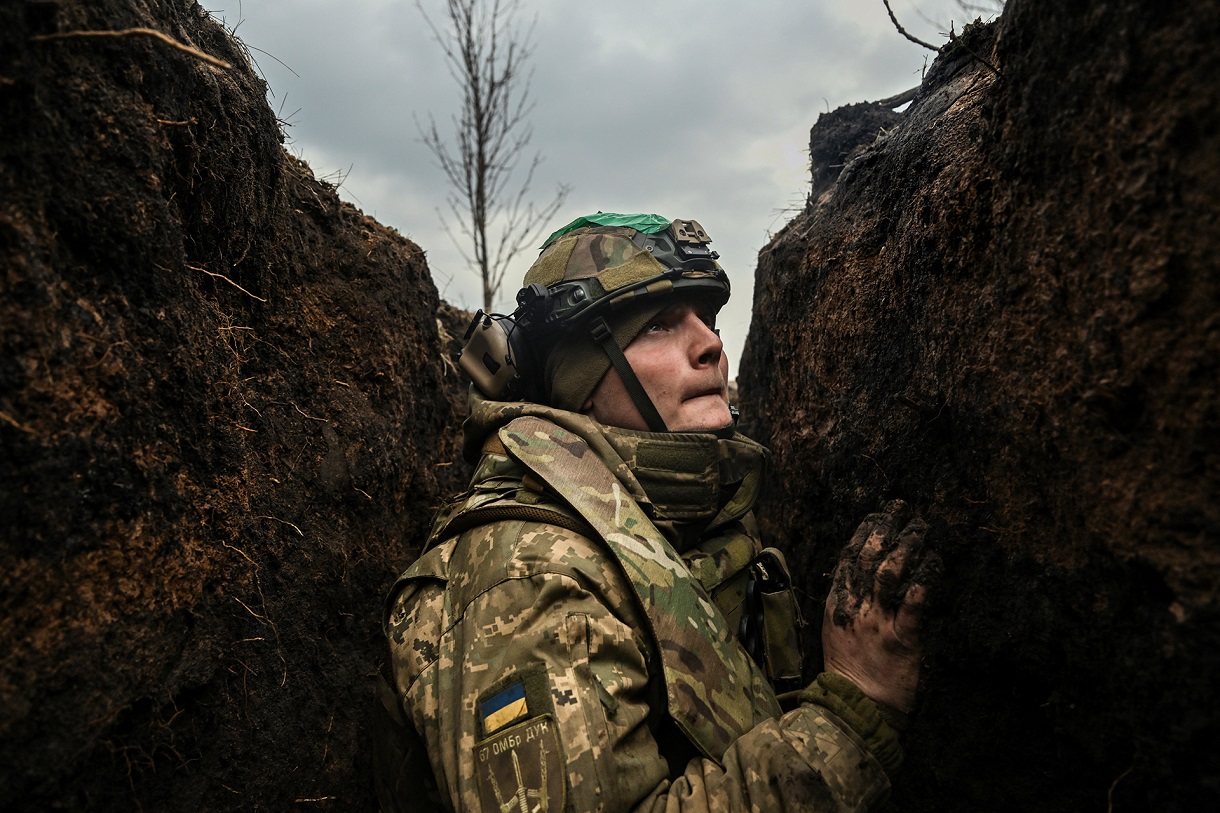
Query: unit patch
521, 769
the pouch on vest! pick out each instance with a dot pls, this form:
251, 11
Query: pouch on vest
771, 621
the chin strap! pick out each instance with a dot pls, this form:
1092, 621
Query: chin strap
601, 335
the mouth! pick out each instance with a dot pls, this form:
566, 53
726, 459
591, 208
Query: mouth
717, 392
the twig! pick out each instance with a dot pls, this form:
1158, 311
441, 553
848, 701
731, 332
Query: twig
899, 99
326, 742
903, 31
242, 552
1113, 785
973, 53
873, 460
251, 612
147, 32
226, 279
15, 423
289, 524
307, 415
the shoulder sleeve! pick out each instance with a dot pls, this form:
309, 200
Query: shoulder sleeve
529, 678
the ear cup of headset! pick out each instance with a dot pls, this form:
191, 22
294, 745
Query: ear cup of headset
498, 358
526, 385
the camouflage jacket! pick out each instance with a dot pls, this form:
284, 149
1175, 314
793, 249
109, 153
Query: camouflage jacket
558, 649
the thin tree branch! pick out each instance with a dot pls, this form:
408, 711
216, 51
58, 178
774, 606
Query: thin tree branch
903, 31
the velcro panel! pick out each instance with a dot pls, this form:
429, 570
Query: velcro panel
551, 267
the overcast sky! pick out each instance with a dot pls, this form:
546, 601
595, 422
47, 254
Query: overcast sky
683, 108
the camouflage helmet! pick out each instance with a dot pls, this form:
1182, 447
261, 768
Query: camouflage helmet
595, 286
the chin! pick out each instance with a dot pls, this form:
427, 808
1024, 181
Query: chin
703, 418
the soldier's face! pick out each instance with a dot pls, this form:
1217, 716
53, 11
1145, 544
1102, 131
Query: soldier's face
680, 361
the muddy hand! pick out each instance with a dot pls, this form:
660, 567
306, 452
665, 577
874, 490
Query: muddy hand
870, 632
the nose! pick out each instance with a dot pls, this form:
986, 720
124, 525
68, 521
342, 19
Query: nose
706, 347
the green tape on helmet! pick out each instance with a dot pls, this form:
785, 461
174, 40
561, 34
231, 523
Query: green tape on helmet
645, 224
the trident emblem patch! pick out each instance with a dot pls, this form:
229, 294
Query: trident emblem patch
520, 769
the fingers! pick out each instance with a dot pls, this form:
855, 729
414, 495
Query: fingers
871, 629
923, 573
841, 605
884, 536
907, 618
881, 537
873, 566
894, 572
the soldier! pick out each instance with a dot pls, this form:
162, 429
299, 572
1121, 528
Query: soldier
594, 624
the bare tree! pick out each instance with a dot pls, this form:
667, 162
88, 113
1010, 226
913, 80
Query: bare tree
486, 51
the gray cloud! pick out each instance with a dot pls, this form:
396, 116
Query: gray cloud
685, 108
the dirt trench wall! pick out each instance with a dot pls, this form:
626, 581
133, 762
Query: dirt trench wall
223, 427
1005, 310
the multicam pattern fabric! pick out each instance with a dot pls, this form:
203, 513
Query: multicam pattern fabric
517, 600
605, 252
715, 692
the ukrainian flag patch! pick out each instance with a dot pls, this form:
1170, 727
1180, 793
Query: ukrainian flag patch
505, 707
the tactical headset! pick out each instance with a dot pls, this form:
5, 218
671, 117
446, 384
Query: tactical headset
503, 354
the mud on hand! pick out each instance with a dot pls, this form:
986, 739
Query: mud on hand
871, 628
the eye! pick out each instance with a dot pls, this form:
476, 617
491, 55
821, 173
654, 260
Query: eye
662, 322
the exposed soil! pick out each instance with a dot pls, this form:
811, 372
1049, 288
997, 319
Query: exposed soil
224, 424
1010, 319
